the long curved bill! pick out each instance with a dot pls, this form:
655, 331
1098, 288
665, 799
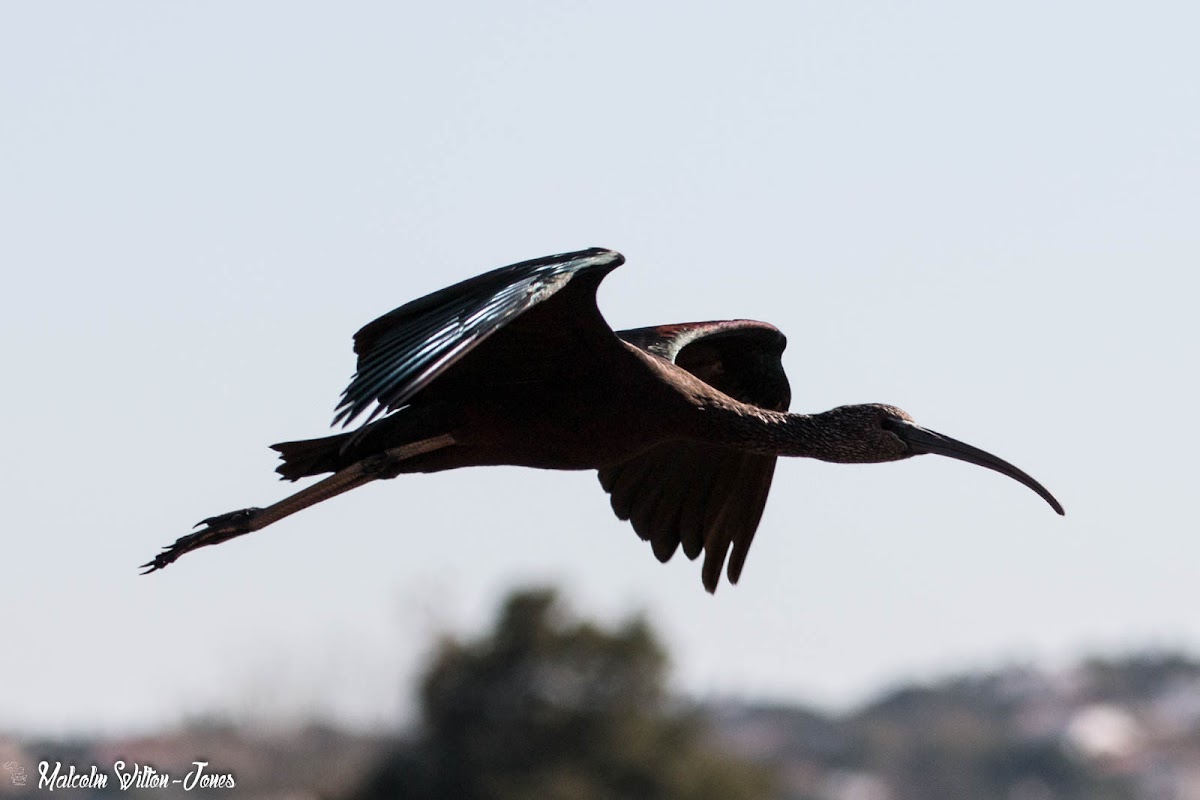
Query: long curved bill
922, 440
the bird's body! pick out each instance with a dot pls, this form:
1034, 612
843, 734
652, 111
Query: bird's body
566, 429
518, 367
589, 414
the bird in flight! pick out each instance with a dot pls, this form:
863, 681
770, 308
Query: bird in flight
517, 366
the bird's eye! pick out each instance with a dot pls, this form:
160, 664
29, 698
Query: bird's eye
887, 423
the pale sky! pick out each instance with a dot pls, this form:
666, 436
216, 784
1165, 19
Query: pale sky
983, 213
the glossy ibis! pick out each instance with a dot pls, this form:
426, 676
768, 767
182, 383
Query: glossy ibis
517, 366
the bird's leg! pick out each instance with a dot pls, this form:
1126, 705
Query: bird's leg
224, 527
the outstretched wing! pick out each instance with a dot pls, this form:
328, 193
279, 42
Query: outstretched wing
705, 497
403, 351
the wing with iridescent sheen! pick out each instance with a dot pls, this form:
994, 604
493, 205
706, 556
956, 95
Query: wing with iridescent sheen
403, 351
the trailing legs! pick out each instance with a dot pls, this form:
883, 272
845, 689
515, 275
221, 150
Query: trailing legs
224, 527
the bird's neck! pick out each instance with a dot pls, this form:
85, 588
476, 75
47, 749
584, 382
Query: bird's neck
770, 433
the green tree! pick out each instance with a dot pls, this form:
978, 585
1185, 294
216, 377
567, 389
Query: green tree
551, 707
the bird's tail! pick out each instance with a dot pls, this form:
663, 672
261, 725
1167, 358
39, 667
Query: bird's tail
311, 456
332, 453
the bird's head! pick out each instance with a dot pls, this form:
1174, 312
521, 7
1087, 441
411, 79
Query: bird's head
874, 432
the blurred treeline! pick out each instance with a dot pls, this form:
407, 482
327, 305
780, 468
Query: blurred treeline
547, 705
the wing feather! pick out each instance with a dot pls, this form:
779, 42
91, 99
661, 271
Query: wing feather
665, 524
760, 471
628, 485
717, 534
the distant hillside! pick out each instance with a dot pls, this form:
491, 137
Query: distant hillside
1106, 730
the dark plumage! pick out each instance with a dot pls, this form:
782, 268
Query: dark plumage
517, 366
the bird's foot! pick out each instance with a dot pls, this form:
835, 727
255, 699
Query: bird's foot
217, 529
